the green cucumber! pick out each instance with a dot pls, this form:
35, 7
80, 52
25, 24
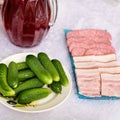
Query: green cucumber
56, 87
13, 75
63, 77
25, 74
30, 95
22, 66
5, 89
46, 62
35, 65
31, 83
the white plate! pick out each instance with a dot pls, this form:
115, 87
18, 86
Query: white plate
52, 101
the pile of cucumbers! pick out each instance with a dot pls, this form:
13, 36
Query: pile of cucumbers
25, 81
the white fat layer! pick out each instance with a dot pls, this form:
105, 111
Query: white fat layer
101, 58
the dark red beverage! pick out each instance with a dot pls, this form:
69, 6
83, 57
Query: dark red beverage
26, 21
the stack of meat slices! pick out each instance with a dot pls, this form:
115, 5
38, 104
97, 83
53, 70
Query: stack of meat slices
88, 81
110, 77
96, 66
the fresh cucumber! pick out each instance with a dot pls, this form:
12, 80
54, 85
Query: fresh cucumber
46, 62
5, 89
13, 75
22, 66
25, 74
35, 65
56, 87
30, 95
63, 77
31, 83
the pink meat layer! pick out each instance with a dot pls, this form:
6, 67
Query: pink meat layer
88, 81
88, 33
92, 40
76, 51
100, 51
90, 90
88, 45
110, 89
110, 84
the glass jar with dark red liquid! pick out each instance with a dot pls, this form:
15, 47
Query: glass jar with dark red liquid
28, 21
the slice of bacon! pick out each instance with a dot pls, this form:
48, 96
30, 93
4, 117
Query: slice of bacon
90, 40
89, 33
88, 81
92, 64
101, 58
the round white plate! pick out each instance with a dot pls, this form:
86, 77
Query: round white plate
52, 101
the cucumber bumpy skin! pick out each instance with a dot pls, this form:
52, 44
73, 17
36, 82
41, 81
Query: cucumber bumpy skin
56, 87
31, 83
35, 65
13, 80
22, 66
5, 89
46, 62
63, 77
25, 74
30, 95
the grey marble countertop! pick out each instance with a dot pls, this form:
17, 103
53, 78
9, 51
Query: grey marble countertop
102, 14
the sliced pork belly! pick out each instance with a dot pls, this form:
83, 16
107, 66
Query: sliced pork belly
78, 52
110, 84
110, 77
96, 67
86, 48
92, 51
88, 81
85, 64
91, 40
90, 94
101, 58
88, 33
93, 64
87, 72
90, 90
100, 51
89, 45
85, 45
111, 90
109, 69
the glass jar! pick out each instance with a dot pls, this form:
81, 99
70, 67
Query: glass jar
28, 21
